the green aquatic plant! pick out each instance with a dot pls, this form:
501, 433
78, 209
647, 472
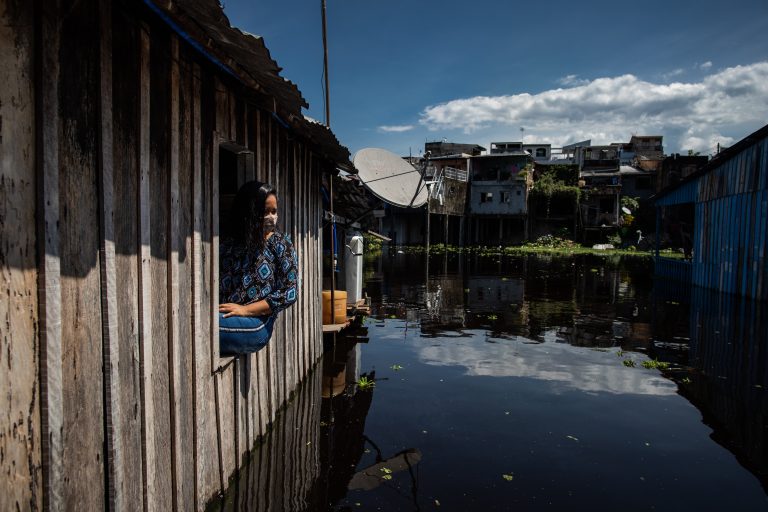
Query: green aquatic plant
629, 363
686, 380
655, 364
619, 353
396, 367
365, 384
493, 317
508, 477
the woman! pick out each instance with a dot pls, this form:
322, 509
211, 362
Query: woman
259, 271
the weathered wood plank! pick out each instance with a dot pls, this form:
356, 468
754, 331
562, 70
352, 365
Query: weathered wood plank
49, 193
108, 274
20, 425
208, 478
127, 254
159, 157
186, 340
174, 234
149, 468
81, 336
226, 379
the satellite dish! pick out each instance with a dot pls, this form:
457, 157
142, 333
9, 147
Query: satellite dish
390, 178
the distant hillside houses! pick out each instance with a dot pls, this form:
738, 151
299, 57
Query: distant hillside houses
515, 191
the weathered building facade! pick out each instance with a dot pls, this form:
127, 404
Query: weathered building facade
123, 125
498, 198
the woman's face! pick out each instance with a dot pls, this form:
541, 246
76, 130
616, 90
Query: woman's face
270, 205
270, 215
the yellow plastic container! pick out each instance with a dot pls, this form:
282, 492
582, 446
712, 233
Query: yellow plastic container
339, 310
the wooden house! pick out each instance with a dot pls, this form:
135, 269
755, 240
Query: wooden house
123, 126
720, 215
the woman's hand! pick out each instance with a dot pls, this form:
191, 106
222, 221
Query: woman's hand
232, 309
259, 308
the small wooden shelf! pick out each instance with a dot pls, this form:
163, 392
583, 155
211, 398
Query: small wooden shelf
333, 327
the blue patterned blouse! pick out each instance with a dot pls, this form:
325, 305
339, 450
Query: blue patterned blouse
271, 274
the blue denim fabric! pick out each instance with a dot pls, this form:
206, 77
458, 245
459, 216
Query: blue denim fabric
244, 334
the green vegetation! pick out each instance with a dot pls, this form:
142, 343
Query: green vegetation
365, 384
559, 183
552, 242
629, 363
655, 364
396, 367
508, 477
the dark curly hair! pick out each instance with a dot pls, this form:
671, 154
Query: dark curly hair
246, 219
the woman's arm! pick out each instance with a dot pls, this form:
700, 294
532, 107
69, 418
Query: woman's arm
258, 308
286, 276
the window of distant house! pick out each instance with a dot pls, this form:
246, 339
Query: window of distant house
541, 152
486, 197
503, 197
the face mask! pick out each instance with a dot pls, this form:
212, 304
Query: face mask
270, 222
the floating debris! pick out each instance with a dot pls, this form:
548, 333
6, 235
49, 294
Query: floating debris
507, 477
573, 438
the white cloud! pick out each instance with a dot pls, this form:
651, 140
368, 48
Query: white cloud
566, 367
572, 80
673, 73
705, 65
396, 128
692, 115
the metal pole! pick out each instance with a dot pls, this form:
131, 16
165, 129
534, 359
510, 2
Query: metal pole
325, 69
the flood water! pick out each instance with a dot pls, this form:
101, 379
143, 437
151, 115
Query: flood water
517, 384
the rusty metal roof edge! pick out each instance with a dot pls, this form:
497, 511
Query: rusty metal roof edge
174, 10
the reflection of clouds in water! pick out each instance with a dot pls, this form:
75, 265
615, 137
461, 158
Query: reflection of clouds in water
568, 366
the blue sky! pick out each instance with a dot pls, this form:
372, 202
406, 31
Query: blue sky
403, 72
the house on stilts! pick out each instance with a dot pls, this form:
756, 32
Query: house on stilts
125, 128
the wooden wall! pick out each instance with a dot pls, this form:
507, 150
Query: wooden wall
114, 386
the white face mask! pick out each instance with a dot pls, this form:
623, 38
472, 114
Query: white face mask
270, 222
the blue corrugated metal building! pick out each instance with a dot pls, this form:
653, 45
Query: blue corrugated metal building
729, 197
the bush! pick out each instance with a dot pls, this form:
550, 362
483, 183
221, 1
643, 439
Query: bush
552, 242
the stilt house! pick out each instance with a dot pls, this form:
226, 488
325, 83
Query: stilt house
125, 126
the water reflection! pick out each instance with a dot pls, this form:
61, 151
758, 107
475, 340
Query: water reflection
515, 365
728, 358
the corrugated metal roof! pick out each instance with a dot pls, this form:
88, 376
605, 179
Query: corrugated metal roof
250, 62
